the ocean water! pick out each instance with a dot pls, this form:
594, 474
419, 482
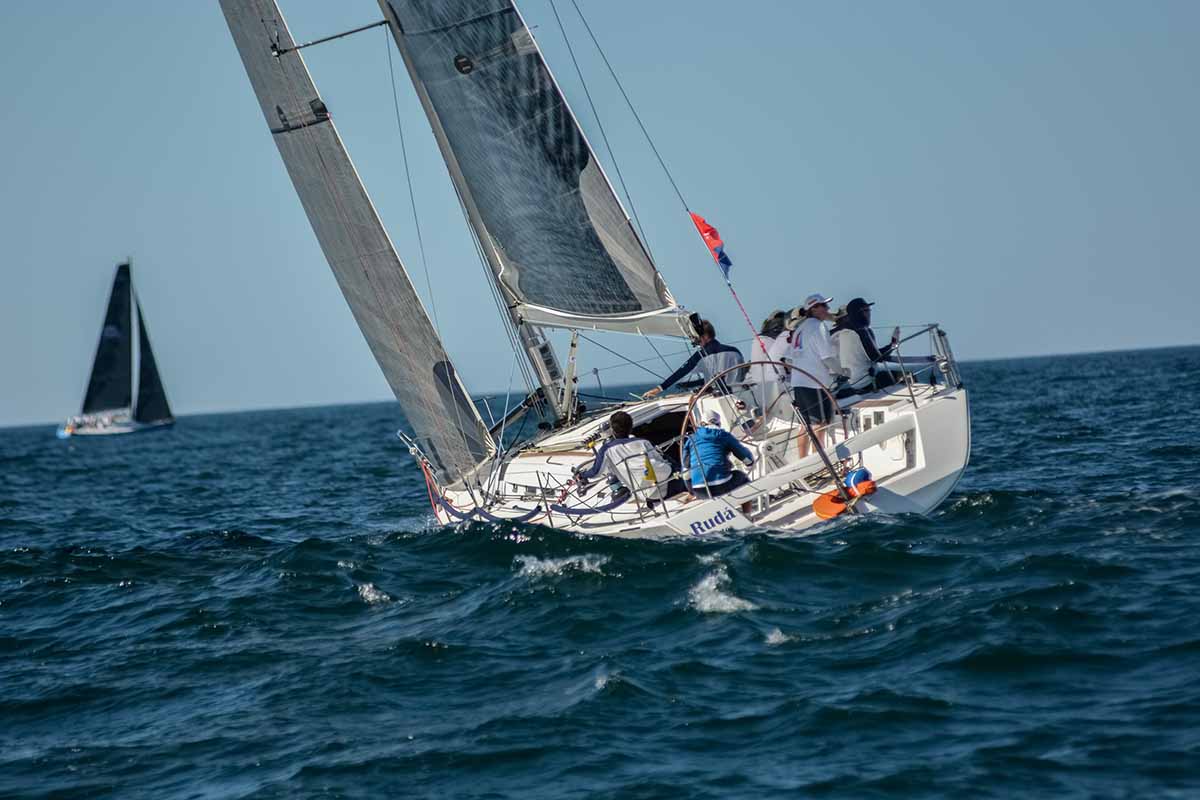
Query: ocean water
256, 605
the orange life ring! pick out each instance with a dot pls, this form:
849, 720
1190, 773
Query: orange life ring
831, 504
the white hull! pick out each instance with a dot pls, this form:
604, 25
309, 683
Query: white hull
107, 424
916, 444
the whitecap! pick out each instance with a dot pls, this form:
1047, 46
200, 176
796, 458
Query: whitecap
709, 595
372, 595
777, 636
534, 567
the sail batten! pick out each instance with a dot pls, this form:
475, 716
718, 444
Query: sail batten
557, 235
379, 292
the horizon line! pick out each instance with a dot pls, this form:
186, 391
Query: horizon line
478, 395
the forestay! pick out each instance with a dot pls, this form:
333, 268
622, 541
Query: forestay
381, 296
111, 384
555, 234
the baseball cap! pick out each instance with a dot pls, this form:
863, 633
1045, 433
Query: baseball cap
713, 418
816, 300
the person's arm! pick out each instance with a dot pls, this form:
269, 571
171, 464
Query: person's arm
886, 352
869, 346
737, 448
823, 344
674, 377
778, 352
686, 466
597, 464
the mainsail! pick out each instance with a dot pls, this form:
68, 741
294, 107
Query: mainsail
110, 386
386, 306
557, 238
152, 405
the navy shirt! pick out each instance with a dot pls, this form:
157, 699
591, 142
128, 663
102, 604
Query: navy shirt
709, 360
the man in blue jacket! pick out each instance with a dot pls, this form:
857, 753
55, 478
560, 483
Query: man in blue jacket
707, 452
710, 359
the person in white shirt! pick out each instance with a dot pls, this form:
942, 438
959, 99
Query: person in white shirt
632, 462
766, 382
814, 364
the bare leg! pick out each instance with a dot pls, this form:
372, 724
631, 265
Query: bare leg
818, 430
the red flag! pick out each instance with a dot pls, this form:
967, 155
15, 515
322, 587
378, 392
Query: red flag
713, 240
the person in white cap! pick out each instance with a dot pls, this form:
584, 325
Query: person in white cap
814, 364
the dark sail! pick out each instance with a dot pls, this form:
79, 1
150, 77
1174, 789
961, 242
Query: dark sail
111, 384
152, 403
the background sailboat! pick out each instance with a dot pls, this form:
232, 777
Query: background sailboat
108, 405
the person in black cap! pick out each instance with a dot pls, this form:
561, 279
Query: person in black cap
858, 351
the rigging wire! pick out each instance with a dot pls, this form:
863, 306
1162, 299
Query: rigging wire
618, 355
629, 103
507, 399
650, 342
412, 198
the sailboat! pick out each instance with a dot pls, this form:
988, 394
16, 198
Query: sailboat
108, 405
561, 252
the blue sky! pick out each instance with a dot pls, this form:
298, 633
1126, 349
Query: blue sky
1024, 173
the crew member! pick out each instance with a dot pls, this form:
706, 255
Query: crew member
814, 365
858, 351
634, 462
707, 453
710, 359
766, 380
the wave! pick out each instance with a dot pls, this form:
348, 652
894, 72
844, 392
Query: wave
372, 595
534, 567
710, 596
